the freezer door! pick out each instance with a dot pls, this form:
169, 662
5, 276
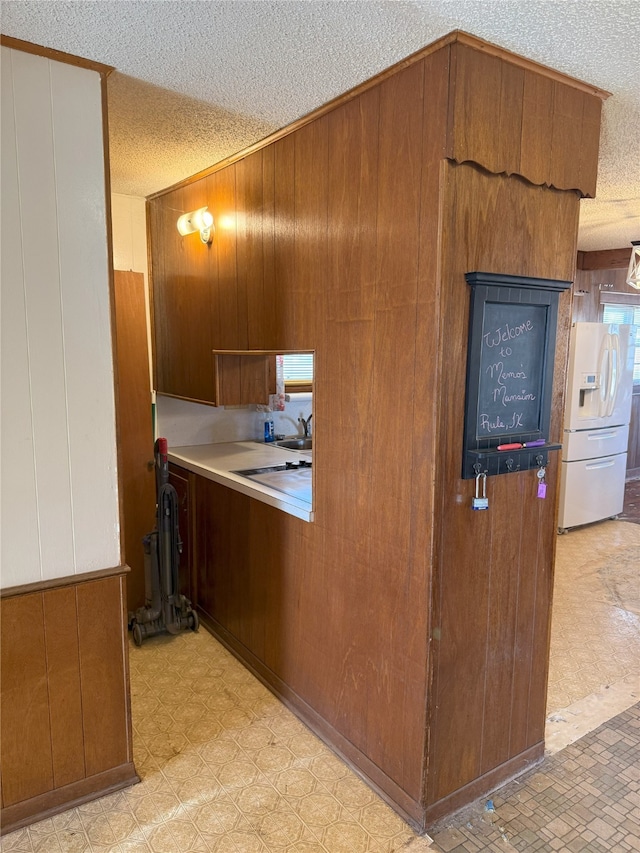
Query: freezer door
591, 490
600, 376
593, 443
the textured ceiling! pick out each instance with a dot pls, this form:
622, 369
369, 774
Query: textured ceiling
198, 80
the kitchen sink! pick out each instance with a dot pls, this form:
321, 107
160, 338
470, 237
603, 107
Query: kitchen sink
295, 443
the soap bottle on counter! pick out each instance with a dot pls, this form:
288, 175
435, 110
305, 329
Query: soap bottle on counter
268, 428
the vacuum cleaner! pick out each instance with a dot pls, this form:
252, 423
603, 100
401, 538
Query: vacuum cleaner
165, 608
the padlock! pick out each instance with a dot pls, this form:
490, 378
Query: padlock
480, 501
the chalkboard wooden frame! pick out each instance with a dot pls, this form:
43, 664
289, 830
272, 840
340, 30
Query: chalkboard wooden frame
510, 361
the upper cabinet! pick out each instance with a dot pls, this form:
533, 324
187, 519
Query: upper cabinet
200, 303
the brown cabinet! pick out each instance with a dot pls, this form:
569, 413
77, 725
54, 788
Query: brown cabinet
199, 303
182, 482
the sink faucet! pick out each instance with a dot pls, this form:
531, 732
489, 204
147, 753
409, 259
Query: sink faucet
305, 425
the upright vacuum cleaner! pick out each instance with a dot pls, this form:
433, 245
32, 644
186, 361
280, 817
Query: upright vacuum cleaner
165, 608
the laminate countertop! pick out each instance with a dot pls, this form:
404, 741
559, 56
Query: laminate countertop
218, 462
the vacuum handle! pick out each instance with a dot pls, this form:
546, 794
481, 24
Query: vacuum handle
162, 450
162, 463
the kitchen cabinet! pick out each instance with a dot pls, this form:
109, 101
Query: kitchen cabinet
182, 482
199, 304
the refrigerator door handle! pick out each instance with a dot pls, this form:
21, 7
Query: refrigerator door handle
612, 385
608, 463
603, 368
602, 436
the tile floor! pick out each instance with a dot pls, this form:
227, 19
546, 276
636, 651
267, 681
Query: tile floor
226, 768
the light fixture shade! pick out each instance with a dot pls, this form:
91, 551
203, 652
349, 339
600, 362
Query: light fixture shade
197, 220
633, 275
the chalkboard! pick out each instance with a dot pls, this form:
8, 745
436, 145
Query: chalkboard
510, 359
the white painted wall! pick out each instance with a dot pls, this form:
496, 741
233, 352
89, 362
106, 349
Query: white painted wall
59, 501
129, 233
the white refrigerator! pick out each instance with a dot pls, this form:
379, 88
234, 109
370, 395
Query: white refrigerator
596, 423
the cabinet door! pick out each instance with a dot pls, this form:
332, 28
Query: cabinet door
181, 481
183, 275
244, 378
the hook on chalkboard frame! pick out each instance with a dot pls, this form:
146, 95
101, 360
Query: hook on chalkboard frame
510, 362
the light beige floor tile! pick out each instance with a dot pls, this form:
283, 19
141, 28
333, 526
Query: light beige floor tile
226, 768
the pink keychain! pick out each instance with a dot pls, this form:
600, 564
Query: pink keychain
542, 486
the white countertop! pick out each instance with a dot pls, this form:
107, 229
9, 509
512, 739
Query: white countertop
217, 462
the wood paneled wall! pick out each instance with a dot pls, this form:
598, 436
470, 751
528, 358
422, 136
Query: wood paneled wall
65, 728
493, 574
513, 120
409, 631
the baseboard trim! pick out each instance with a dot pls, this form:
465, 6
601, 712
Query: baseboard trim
69, 796
409, 809
484, 784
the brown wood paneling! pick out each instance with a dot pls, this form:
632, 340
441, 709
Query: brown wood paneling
508, 118
537, 125
284, 240
44, 713
365, 234
44, 806
310, 232
341, 481
609, 259
568, 107
181, 481
63, 674
249, 205
135, 431
182, 277
590, 144
27, 761
486, 110
227, 298
103, 674
586, 297
243, 379
494, 569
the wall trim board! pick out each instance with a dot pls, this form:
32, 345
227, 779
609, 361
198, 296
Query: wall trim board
67, 580
490, 781
75, 794
456, 36
606, 259
57, 55
411, 810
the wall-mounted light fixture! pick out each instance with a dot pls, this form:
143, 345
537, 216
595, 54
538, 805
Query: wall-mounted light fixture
633, 275
197, 220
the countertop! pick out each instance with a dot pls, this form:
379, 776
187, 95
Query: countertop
217, 462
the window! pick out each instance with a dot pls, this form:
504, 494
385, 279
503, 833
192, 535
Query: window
298, 371
620, 313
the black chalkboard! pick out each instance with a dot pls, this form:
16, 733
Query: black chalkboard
510, 359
